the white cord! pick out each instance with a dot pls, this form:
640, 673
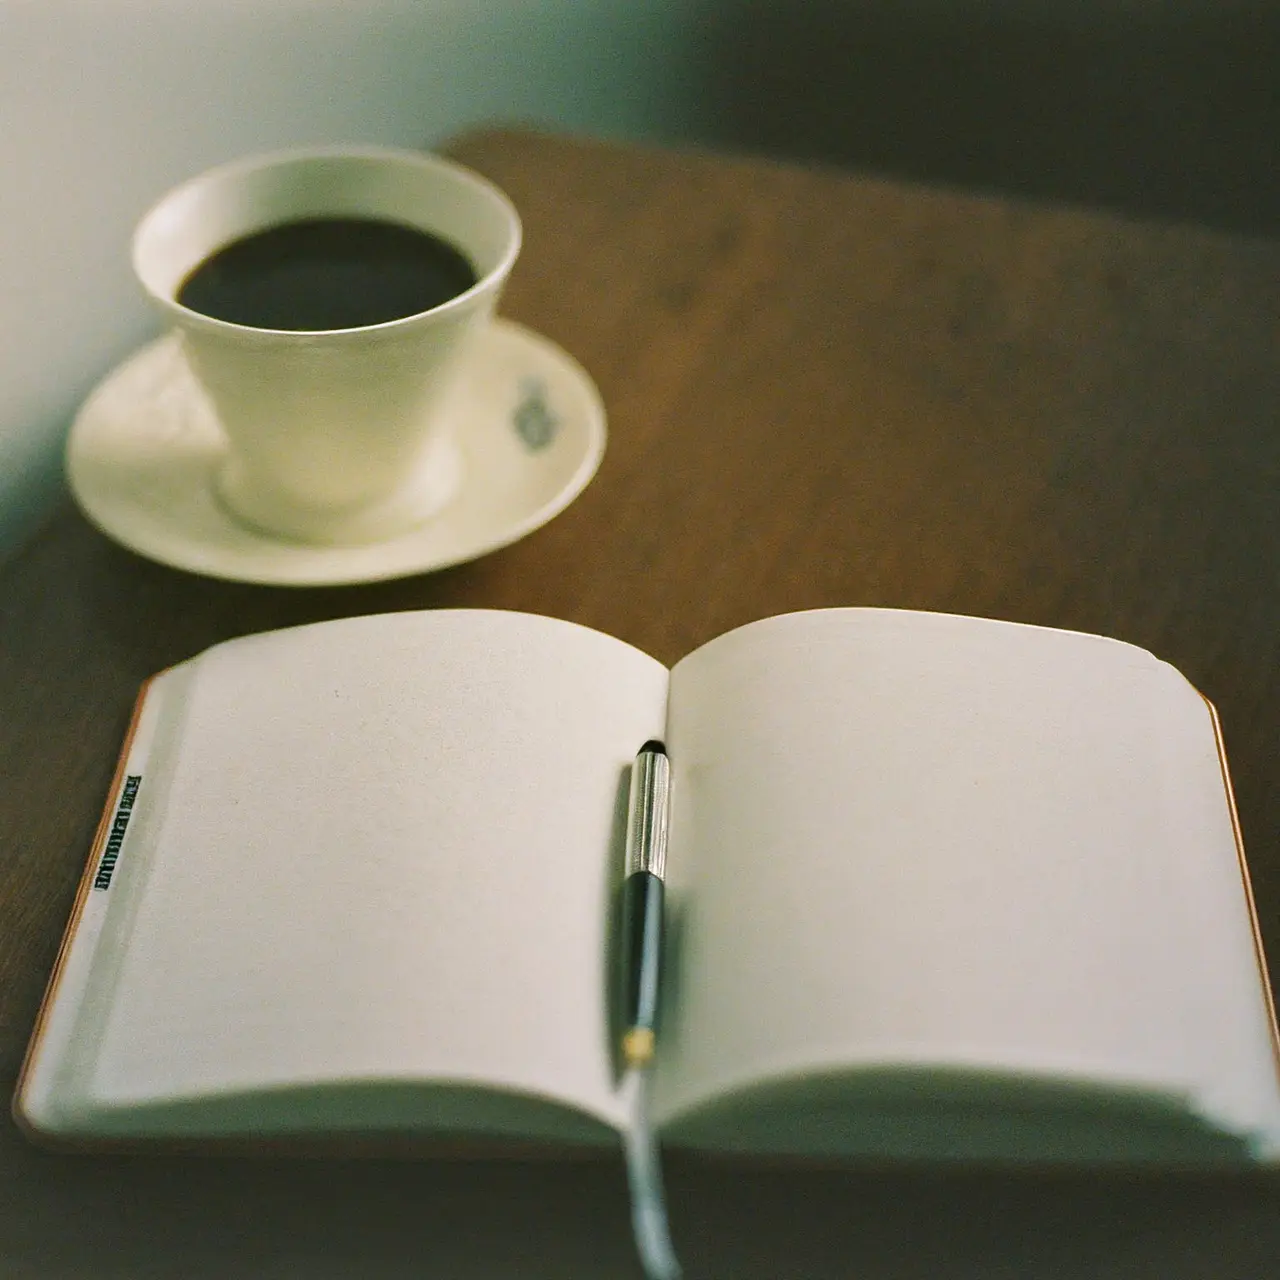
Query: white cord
644, 1176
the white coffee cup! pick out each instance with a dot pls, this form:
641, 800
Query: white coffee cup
334, 436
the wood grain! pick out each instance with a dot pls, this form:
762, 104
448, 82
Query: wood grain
822, 390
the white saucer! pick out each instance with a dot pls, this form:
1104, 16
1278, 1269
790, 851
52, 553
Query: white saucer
527, 421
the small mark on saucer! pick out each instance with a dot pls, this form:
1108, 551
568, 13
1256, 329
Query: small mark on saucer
536, 423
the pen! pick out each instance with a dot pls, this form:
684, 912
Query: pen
642, 891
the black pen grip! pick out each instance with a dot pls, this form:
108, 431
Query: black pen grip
641, 950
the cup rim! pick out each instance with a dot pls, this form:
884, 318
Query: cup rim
269, 159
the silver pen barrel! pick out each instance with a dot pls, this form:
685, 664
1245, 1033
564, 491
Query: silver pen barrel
647, 807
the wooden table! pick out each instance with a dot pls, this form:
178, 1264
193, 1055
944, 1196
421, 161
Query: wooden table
822, 390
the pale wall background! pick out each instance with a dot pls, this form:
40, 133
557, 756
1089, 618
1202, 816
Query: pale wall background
1166, 108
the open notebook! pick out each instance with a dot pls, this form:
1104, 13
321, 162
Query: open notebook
941, 888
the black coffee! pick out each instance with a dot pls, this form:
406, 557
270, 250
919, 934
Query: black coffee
327, 273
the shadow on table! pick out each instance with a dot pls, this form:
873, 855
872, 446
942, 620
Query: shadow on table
1169, 115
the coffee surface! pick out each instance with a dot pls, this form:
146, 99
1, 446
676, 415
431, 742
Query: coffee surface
327, 273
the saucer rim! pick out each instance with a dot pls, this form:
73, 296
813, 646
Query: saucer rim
303, 565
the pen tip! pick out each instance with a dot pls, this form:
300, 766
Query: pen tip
654, 745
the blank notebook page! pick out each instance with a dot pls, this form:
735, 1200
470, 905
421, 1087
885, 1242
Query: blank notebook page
385, 854
913, 838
